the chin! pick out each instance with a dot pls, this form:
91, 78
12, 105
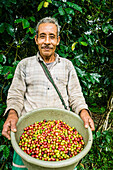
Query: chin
47, 54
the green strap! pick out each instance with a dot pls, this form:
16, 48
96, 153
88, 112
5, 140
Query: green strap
48, 74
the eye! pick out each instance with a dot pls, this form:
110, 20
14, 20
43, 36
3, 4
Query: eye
52, 36
42, 36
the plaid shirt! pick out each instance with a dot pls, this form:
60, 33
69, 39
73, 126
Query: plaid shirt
30, 88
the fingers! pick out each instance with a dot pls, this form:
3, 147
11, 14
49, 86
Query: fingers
14, 118
89, 122
9, 125
6, 130
87, 119
13, 126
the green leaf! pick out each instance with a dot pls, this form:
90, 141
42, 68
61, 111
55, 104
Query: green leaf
80, 72
25, 23
10, 76
95, 77
31, 30
94, 104
90, 41
105, 28
32, 18
78, 56
103, 109
84, 82
2, 147
6, 152
108, 138
15, 63
49, 1
40, 6
97, 49
5, 70
75, 6
83, 43
92, 79
28, 30
61, 11
13, 1
98, 134
70, 11
69, 20
10, 29
31, 37
2, 58
2, 27
102, 60
1, 68
110, 27
18, 20
73, 46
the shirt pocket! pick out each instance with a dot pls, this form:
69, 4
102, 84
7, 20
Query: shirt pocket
61, 80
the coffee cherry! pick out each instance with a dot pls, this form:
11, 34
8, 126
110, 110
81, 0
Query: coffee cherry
51, 140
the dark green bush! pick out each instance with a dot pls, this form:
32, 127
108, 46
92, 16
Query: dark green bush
101, 154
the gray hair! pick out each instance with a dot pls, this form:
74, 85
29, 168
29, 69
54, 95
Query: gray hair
48, 20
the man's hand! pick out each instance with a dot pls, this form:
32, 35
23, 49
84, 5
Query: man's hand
87, 119
10, 124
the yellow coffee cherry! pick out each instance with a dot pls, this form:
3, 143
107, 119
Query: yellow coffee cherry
46, 4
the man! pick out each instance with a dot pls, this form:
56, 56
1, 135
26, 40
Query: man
30, 88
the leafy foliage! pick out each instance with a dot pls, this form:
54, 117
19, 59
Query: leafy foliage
6, 150
101, 154
86, 40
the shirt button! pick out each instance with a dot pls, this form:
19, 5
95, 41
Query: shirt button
48, 88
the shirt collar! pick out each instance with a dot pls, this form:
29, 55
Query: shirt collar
39, 58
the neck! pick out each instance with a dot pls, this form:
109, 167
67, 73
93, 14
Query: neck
49, 59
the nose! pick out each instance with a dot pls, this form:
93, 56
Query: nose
47, 40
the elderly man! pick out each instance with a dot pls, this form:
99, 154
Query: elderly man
30, 88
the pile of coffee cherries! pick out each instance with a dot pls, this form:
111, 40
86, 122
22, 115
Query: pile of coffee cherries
51, 140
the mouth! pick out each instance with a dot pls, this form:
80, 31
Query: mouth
47, 48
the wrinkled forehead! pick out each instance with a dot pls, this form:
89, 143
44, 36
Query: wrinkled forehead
47, 28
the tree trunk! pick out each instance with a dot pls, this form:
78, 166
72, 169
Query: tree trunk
104, 123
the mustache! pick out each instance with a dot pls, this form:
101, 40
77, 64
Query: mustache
47, 46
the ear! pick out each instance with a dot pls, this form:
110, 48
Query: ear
58, 40
36, 39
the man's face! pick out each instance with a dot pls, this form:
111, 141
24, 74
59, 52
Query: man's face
47, 39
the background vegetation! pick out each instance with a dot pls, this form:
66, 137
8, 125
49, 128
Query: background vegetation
86, 40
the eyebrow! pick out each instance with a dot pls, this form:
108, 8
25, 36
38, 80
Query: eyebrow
45, 34
42, 34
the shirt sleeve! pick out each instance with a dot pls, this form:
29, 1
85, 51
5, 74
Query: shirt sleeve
76, 98
15, 98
